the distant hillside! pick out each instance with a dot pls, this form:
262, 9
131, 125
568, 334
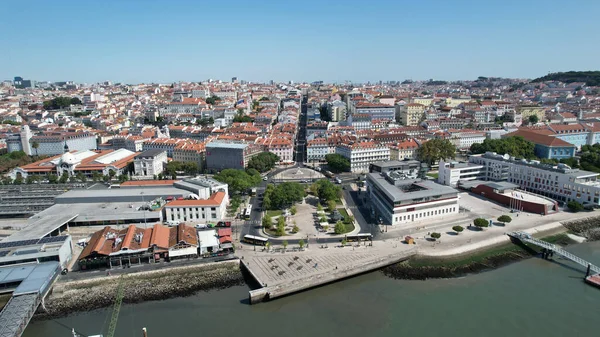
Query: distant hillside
591, 78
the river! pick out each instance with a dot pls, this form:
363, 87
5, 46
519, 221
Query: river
529, 298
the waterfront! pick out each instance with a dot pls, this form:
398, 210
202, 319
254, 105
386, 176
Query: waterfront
529, 298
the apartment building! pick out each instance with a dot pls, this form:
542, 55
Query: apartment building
54, 143
411, 114
203, 210
191, 152
150, 163
450, 173
404, 150
316, 149
362, 153
375, 110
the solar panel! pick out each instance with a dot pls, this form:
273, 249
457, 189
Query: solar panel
53, 239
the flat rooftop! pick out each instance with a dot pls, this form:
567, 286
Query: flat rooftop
43, 224
223, 145
394, 163
130, 194
409, 189
34, 277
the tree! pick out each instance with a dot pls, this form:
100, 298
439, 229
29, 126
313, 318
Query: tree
349, 219
52, 178
293, 210
96, 176
457, 229
123, 178
111, 173
267, 221
326, 190
105, 178
284, 244
337, 162
81, 177
239, 180
35, 145
72, 179
295, 229
433, 150
283, 195
280, 226
533, 119
64, 178
504, 219
331, 205
18, 180
480, 223
323, 219
339, 228
263, 161
515, 146
575, 206
319, 207
344, 242
61, 103
31, 179
301, 243
435, 235
213, 99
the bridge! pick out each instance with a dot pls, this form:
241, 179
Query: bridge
525, 237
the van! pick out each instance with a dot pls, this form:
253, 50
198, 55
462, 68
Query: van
201, 226
172, 223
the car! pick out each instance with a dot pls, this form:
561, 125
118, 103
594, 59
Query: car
265, 178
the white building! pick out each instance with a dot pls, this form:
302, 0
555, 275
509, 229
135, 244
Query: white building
202, 211
408, 202
560, 182
317, 149
361, 154
450, 173
150, 163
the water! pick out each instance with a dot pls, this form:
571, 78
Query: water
528, 298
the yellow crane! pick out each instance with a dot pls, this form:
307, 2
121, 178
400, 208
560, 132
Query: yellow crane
116, 308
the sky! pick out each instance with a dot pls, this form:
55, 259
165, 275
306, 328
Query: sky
131, 41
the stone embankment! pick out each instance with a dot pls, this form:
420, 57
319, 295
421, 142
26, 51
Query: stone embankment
588, 227
85, 295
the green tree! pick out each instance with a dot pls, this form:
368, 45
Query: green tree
213, 99
18, 180
481, 223
283, 195
52, 178
111, 173
72, 179
123, 178
349, 219
575, 206
263, 161
6, 180
339, 228
457, 229
504, 219
435, 235
337, 162
267, 221
331, 205
301, 243
295, 229
293, 210
344, 242
106, 178
64, 178
433, 150
284, 244
35, 145
326, 190
319, 207
32, 179
281, 226
515, 146
96, 176
239, 180
82, 178
533, 119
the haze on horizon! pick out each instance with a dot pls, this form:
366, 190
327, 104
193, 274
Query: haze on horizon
158, 41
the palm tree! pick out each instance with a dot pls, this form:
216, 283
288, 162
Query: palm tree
35, 145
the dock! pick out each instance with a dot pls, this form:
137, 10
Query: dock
550, 249
281, 274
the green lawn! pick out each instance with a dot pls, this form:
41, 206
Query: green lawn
271, 231
343, 212
274, 213
349, 226
433, 175
338, 202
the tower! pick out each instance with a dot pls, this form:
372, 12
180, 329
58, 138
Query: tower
66, 148
25, 139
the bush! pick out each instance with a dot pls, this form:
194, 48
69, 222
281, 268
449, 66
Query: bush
435, 235
301, 243
295, 229
293, 210
339, 228
331, 205
481, 223
575, 206
504, 219
457, 229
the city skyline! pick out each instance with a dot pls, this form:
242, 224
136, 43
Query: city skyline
136, 42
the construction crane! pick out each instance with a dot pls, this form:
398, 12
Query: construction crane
116, 308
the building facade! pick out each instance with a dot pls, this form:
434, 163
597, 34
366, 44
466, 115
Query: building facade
150, 163
361, 154
202, 211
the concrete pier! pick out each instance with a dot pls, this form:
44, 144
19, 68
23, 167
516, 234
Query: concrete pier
282, 274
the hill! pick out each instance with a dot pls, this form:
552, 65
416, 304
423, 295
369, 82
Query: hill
591, 78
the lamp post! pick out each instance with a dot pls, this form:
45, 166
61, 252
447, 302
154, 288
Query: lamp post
144, 207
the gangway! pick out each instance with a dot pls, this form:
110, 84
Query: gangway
525, 237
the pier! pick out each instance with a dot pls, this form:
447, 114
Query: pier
281, 274
550, 249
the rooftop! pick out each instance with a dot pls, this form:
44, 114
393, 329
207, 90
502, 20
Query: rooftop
410, 189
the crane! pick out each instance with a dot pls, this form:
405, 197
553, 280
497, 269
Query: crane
116, 307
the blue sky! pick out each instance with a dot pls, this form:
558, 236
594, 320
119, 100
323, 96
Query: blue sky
164, 41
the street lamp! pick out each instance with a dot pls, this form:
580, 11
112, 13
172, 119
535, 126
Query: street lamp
144, 207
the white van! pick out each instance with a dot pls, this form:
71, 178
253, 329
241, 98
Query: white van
172, 223
201, 226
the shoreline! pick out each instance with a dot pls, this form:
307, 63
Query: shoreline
74, 297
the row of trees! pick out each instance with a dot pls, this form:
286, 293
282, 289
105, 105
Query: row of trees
213, 99
337, 163
239, 181
188, 167
61, 103
263, 161
514, 146
283, 195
